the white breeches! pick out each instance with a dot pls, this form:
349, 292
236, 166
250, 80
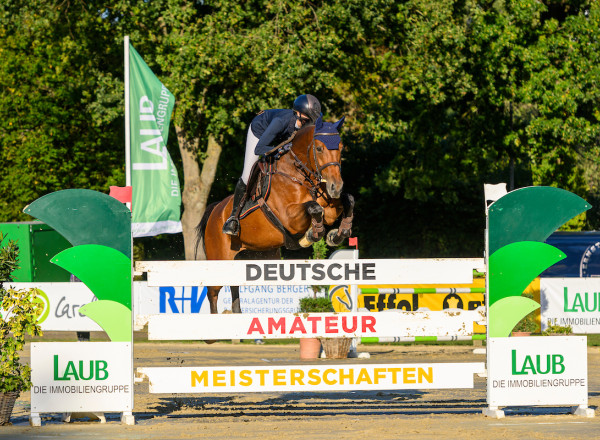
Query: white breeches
249, 158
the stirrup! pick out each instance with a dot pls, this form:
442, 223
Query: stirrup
232, 226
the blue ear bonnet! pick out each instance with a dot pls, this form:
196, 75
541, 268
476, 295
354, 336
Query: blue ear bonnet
332, 142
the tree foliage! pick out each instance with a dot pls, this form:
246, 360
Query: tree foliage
58, 105
441, 96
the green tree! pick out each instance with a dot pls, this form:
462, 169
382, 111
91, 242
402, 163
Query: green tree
440, 97
58, 105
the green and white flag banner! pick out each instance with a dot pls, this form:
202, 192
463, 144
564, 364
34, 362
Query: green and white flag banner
156, 198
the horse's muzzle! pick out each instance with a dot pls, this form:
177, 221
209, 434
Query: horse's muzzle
334, 189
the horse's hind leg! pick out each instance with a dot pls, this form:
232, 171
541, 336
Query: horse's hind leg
335, 237
212, 292
235, 299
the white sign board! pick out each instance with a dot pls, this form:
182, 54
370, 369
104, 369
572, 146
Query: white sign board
309, 325
292, 378
549, 370
81, 377
571, 302
311, 272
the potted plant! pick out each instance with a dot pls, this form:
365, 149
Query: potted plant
310, 348
20, 311
528, 324
557, 330
334, 348
9, 258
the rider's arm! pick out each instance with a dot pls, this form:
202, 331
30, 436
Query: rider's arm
275, 128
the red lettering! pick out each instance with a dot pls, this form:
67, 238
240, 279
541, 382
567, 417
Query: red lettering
314, 320
331, 324
255, 327
297, 326
345, 324
368, 323
276, 325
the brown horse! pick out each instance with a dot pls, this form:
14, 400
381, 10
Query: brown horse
305, 193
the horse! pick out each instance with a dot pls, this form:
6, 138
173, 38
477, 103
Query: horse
303, 193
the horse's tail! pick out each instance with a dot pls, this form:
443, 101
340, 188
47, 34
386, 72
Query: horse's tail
200, 252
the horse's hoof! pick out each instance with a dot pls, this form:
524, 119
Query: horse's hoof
304, 242
330, 240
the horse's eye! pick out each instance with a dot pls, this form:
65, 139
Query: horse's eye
319, 149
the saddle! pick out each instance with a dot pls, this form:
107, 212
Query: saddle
257, 193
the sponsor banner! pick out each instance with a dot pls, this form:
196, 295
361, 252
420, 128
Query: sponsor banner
311, 377
156, 195
582, 250
312, 272
376, 302
266, 299
192, 299
571, 302
81, 377
175, 300
310, 325
549, 370
62, 302
409, 298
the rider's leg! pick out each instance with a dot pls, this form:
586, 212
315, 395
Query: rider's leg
249, 157
232, 224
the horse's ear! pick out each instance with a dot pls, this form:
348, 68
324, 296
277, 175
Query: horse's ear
319, 123
338, 124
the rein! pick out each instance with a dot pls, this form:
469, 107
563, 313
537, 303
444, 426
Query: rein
312, 177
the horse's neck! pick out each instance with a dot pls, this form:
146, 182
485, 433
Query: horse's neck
301, 148
294, 161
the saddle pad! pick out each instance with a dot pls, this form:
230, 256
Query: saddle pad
260, 189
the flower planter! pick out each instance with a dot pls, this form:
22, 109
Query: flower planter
7, 403
521, 334
310, 348
336, 348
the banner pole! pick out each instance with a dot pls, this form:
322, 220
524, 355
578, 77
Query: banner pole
127, 122
128, 418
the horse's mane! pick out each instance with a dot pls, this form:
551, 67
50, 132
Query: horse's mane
300, 137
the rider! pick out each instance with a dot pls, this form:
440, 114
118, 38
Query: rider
267, 130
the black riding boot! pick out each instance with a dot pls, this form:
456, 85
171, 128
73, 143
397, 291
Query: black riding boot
232, 225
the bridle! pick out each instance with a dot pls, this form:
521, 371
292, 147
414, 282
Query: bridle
312, 177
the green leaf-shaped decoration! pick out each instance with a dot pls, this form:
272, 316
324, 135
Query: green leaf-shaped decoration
508, 312
106, 271
514, 266
531, 214
114, 318
83, 216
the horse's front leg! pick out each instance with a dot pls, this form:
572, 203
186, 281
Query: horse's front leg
317, 229
335, 237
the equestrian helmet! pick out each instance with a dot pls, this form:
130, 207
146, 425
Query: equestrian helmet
308, 105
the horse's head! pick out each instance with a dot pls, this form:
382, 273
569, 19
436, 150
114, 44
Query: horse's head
324, 153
